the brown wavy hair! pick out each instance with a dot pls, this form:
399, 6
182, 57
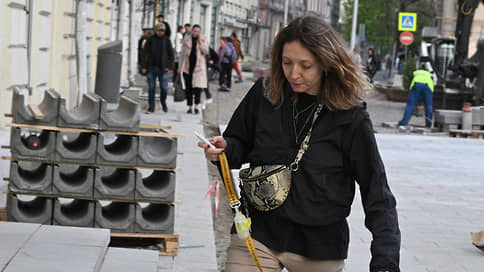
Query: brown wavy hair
343, 82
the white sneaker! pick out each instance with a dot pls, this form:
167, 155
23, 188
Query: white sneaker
210, 100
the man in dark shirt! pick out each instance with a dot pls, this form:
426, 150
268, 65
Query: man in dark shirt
147, 32
161, 19
187, 28
158, 61
371, 65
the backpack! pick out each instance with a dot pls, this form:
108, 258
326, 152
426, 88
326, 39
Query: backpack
232, 54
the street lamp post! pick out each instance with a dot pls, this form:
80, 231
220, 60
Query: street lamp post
286, 5
353, 25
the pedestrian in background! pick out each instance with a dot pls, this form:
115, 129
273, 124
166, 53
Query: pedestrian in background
210, 61
187, 31
147, 32
228, 56
356, 56
178, 48
161, 19
221, 77
194, 52
371, 65
422, 85
240, 55
213, 65
388, 66
310, 104
158, 61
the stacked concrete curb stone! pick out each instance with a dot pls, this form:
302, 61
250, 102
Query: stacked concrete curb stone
35, 247
76, 177
86, 115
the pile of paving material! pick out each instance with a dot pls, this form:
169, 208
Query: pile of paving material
34, 247
90, 166
452, 119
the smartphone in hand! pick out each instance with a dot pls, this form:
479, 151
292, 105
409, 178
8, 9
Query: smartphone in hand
203, 139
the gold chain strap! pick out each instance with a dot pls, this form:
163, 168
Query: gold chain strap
294, 166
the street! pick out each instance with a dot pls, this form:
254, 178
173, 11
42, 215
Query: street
438, 183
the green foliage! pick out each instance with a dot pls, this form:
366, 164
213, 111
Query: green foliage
381, 19
408, 70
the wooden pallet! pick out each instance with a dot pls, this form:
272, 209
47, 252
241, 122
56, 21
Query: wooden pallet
84, 130
8, 158
475, 134
93, 198
3, 214
166, 243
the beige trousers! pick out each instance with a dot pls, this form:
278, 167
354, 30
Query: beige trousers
239, 260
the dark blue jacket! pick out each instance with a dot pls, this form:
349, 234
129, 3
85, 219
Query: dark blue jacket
158, 51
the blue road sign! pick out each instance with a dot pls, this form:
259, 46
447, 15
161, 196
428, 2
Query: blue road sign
407, 21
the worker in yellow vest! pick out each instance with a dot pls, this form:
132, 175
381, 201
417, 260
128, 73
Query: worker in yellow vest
422, 86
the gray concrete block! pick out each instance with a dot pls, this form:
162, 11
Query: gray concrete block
128, 260
58, 248
478, 116
444, 117
37, 210
117, 216
85, 115
121, 151
49, 108
157, 152
57, 258
160, 185
32, 144
126, 117
62, 235
75, 212
155, 218
13, 237
30, 177
114, 183
73, 180
76, 147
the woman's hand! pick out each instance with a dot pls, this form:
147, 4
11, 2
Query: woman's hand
212, 153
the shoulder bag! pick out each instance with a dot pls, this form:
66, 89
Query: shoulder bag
267, 186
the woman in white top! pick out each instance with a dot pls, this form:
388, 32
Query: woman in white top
178, 47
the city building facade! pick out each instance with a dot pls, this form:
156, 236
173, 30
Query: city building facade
53, 44
42, 47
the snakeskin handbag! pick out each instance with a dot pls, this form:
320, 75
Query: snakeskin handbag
267, 186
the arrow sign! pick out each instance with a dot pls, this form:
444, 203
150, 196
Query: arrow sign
406, 38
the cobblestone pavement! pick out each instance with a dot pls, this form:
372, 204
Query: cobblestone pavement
438, 183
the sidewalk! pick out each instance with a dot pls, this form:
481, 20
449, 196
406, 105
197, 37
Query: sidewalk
193, 217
